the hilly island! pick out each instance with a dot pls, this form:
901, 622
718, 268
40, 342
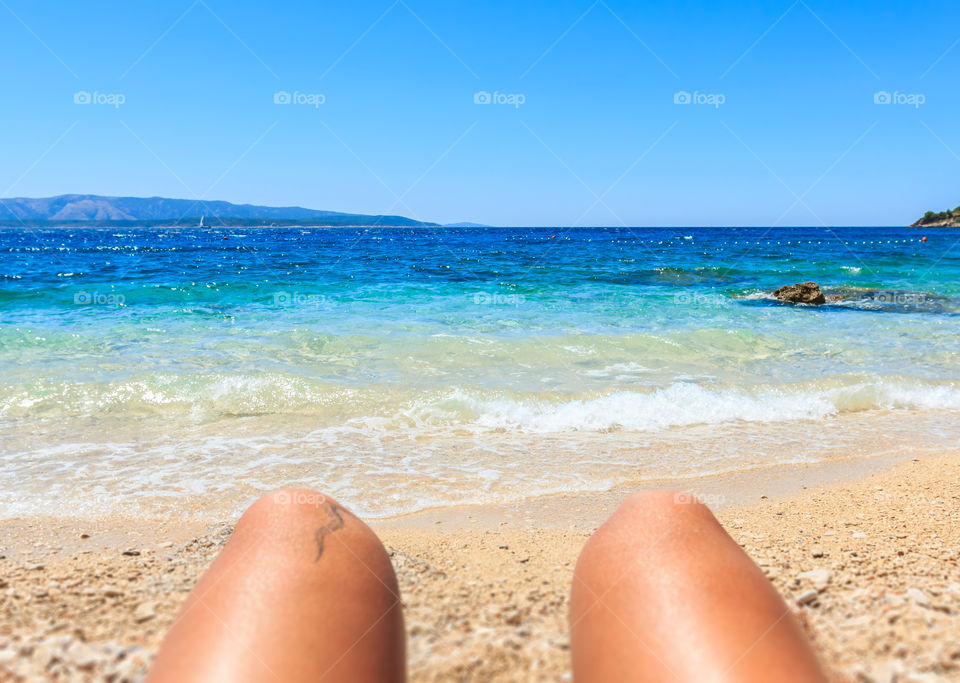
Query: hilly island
943, 219
96, 210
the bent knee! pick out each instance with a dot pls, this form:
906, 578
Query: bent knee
291, 511
296, 521
651, 523
663, 507
290, 506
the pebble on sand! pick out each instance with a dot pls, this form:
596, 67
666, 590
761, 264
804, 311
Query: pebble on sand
145, 611
918, 596
820, 578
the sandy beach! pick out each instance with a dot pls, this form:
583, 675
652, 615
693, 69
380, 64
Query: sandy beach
477, 274
864, 551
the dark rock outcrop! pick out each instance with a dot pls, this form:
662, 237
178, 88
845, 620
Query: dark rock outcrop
801, 293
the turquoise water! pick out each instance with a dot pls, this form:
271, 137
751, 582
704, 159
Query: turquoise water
400, 368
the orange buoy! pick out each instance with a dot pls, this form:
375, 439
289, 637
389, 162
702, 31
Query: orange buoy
923, 239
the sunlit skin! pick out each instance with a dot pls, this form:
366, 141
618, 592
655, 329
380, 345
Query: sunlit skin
661, 592
304, 591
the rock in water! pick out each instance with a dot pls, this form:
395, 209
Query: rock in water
801, 293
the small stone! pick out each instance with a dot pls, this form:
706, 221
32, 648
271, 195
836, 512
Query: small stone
820, 578
112, 591
512, 617
919, 597
166, 544
131, 553
83, 656
84, 536
46, 652
145, 611
886, 672
859, 534
816, 552
807, 597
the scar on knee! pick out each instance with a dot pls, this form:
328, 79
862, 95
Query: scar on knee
333, 525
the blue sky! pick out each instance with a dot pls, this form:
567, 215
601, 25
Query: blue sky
583, 128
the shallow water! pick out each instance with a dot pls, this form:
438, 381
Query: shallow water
404, 368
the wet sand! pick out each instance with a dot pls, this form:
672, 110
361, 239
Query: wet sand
865, 551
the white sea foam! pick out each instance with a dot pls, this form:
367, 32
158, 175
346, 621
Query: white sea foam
630, 404
461, 446
618, 370
755, 296
679, 404
689, 404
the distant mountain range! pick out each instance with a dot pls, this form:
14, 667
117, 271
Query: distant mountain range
93, 209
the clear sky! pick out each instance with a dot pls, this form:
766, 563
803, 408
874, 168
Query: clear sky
587, 122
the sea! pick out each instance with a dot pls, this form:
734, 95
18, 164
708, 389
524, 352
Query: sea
174, 371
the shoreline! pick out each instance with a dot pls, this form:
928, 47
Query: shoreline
485, 587
63, 536
717, 491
